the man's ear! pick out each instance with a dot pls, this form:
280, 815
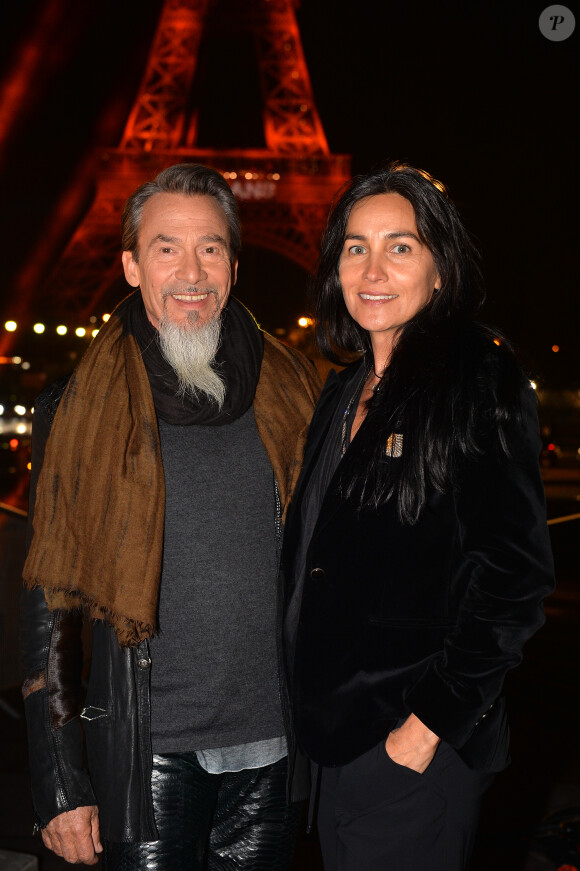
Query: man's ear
234, 271
131, 269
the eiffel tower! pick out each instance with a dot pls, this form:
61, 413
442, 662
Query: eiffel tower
284, 188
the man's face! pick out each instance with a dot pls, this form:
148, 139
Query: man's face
183, 262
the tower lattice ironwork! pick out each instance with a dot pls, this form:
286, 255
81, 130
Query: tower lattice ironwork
284, 189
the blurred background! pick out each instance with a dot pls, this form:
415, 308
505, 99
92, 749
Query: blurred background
287, 100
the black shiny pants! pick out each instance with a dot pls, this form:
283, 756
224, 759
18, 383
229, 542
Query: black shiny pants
219, 822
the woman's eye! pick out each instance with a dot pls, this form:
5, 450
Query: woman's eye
357, 249
401, 249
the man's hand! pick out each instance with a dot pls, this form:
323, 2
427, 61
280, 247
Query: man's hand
412, 744
74, 835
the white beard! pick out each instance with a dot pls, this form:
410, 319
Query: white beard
190, 349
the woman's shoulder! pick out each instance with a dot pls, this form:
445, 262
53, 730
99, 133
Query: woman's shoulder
496, 388
482, 354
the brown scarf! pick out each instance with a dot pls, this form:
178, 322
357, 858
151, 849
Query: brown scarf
100, 505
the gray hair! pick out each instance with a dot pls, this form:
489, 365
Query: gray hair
191, 179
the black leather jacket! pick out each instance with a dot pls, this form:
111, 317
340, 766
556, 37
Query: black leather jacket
111, 768
115, 719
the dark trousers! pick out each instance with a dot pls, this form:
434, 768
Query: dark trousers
219, 822
376, 815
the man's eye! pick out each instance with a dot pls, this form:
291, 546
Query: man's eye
166, 250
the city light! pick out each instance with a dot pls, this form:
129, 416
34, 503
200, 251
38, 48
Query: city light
95, 333
305, 322
555, 348
61, 329
19, 409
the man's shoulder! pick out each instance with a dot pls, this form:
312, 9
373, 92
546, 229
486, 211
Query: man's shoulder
275, 346
47, 401
291, 360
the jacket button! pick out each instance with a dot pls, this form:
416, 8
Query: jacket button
317, 574
143, 663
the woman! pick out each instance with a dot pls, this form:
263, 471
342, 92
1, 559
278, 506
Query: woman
416, 552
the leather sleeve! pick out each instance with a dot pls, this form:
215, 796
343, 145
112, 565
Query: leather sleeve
507, 562
51, 650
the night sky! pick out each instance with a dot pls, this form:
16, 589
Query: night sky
470, 91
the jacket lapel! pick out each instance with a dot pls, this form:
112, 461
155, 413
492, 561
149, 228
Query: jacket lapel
319, 426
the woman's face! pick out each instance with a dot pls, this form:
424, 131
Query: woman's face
387, 274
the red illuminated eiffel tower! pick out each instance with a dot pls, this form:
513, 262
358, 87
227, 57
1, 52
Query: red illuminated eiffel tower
284, 188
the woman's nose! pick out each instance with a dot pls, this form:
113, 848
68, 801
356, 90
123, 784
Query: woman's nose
375, 268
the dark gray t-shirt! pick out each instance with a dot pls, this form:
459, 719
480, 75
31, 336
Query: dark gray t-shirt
214, 675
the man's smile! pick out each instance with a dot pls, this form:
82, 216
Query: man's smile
190, 297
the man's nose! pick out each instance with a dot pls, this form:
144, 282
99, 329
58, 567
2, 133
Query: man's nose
190, 268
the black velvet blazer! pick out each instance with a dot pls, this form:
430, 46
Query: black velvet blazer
425, 618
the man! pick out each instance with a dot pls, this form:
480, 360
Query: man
161, 473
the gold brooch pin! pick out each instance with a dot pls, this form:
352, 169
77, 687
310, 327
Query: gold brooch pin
394, 446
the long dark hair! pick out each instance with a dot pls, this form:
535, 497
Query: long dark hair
444, 368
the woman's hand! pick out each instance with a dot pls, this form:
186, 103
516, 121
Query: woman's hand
412, 744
